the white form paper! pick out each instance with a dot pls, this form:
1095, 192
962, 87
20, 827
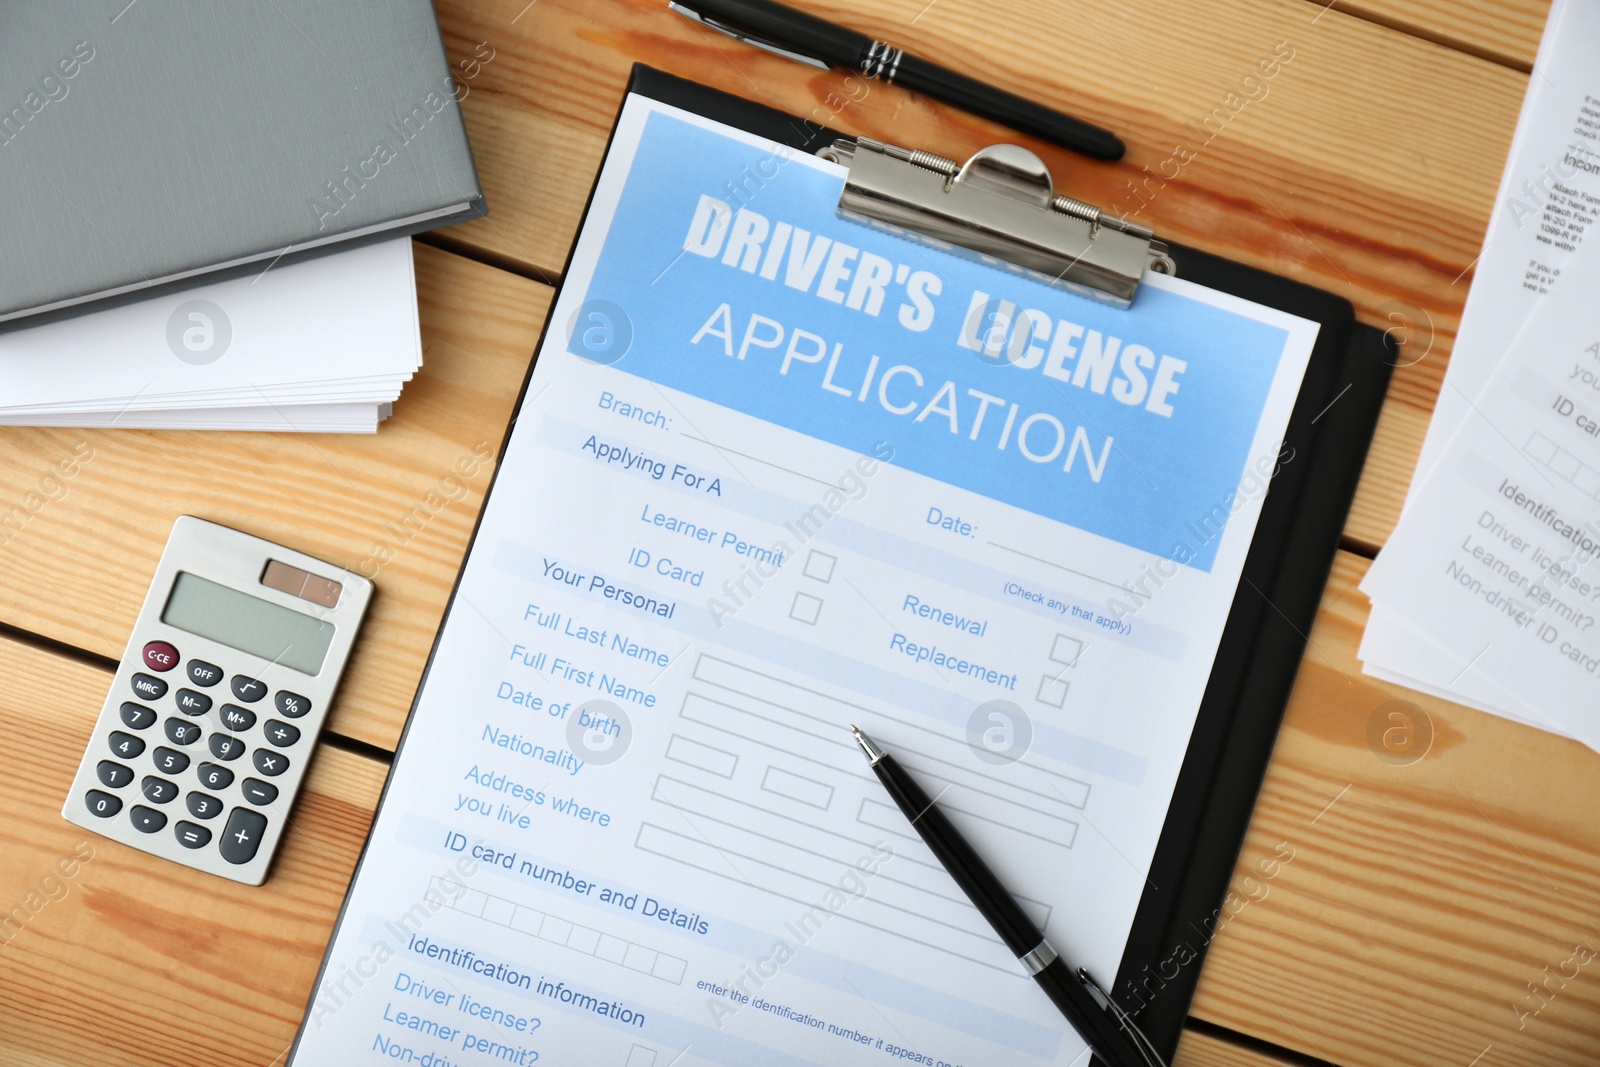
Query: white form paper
335, 329
1498, 561
778, 472
1548, 197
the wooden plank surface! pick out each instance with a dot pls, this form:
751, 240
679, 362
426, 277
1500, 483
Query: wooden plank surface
1422, 898
1506, 31
1366, 164
109, 956
344, 498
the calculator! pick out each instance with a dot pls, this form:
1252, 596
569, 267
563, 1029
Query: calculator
215, 709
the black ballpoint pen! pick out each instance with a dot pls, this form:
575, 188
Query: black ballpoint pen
808, 39
1097, 1018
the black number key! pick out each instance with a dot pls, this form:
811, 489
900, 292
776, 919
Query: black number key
242, 836
236, 718
204, 674
149, 687
192, 835
137, 716
225, 746
146, 820
113, 774
126, 745
290, 705
169, 760
258, 792
158, 790
191, 703
182, 733
102, 803
281, 734
203, 805
248, 690
214, 777
269, 763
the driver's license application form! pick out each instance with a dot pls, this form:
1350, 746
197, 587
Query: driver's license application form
779, 471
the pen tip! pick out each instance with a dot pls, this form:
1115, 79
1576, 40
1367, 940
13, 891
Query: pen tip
868, 746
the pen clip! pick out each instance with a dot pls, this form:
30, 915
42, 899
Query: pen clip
745, 35
1146, 1050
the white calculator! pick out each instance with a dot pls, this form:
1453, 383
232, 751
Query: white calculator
214, 712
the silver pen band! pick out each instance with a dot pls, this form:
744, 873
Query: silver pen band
1038, 958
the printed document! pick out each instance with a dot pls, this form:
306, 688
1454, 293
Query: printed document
1549, 196
777, 472
1498, 563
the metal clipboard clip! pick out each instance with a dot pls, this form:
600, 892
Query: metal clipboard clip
1000, 205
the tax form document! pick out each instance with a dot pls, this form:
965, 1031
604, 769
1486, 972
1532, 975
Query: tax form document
777, 472
1501, 562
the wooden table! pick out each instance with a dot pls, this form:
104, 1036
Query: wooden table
1424, 902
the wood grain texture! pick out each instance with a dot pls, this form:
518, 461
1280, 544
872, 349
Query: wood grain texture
75, 566
120, 958
1366, 165
1421, 899
1506, 31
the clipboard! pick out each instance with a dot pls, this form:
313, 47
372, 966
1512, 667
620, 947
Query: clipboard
1283, 575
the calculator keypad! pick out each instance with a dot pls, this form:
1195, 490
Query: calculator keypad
258, 792
169, 760
280, 734
149, 687
242, 836
269, 763
158, 790
113, 774
204, 674
137, 716
240, 839
191, 703
160, 656
236, 718
180, 732
203, 805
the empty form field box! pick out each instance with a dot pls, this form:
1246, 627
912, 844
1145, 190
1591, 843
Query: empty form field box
682, 750
797, 787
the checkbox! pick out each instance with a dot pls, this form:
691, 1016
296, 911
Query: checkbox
1066, 649
1052, 691
639, 1056
805, 609
819, 565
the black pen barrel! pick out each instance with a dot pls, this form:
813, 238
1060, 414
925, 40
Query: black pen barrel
792, 29
958, 857
1008, 109
1095, 1025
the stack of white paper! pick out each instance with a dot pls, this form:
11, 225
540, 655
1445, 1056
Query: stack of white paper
1488, 591
319, 345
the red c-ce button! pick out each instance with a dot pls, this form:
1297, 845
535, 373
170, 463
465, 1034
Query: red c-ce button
160, 656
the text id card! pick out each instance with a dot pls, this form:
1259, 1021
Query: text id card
778, 472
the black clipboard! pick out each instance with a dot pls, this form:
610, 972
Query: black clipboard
1273, 610
1262, 643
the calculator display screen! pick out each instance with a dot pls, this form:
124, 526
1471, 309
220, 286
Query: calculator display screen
247, 623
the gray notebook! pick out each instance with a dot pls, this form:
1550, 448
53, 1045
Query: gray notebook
146, 143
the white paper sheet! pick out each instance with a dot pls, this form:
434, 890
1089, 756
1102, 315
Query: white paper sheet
339, 329
1549, 195
738, 512
1499, 560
